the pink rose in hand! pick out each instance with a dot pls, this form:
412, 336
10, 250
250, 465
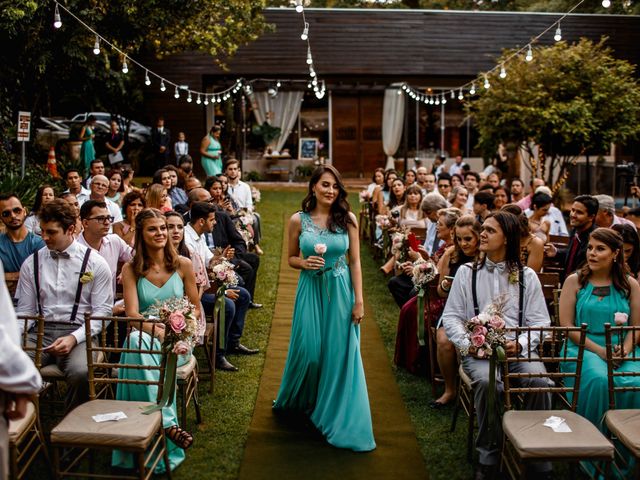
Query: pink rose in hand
181, 348
496, 322
620, 318
177, 322
320, 248
479, 330
477, 340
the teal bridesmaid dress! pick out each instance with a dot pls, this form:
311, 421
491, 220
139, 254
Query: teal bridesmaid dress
87, 150
593, 401
324, 377
212, 167
148, 294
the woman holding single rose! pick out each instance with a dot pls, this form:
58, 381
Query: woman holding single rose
324, 377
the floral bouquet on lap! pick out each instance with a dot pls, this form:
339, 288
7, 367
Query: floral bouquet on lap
486, 331
400, 245
223, 276
424, 272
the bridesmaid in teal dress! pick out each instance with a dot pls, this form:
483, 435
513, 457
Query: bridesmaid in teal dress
211, 152
156, 272
324, 377
593, 296
87, 150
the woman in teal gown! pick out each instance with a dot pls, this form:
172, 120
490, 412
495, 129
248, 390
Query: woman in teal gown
211, 152
87, 150
324, 377
156, 273
593, 296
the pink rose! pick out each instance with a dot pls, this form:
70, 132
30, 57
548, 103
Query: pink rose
477, 340
620, 318
177, 322
479, 330
476, 321
480, 353
320, 248
496, 322
181, 348
222, 275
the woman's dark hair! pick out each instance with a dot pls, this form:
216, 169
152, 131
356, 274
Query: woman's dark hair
215, 128
90, 119
373, 177
129, 198
113, 172
619, 270
630, 236
37, 206
505, 190
393, 200
339, 214
510, 226
157, 176
465, 221
525, 230
410, 172
140, 261
182, 247
385, 186
590, 203
540, 199
208, 183
459, 177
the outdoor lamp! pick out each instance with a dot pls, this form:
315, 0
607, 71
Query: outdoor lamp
460, 95
606, 3
198, 101
177, 94
529, 56
189, 99
503, 72
558, 36
57, 20
162, 87
96, 46
472, 91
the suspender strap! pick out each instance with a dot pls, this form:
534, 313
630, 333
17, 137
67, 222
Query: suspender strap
521, 299
85, 260
474, 281
36, 277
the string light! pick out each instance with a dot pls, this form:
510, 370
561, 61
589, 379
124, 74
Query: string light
305, 32
487, 85
453, 95
309, 58
147, 80
177, 93
57, 20
189, 99
606, 3
444, 99
278, 84
125, 67
529, 56
558, 36
460, 94
472, 91
299, 7
437, 100
198, 101
503, 72
206, 99
399, 92
96, 46
312, 72
162, 87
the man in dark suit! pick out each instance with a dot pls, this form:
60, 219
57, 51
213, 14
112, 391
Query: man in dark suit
160, 142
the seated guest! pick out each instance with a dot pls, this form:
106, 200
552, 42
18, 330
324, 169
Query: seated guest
538, 225
185, 164
397, 196
456, 180
50, 281
606, 216
531, 246
156, 273
500, 243
177, 195
99, 188
74, 183
17, 243
191, 183
240, 192
127, 178
409, 178
156, 197
132, 204
203, 220
525, 203
483, 204
411, 213
115, 192
382, 194
458, 198
554, 217
444, 184
44, 195
630, 247
377, 180
594, 295
72, 200
502, 197
407, 353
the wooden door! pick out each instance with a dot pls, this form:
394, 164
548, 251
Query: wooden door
357, 134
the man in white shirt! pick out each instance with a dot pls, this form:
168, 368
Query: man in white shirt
99, 189
19, 378
74, 183
241, 194
469, 296
457, 167
471, 182
62, 281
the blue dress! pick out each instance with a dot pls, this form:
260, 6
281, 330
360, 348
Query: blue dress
593, 401
324, 377
148, 294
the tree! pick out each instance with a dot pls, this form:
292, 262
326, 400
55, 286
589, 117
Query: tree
569, 99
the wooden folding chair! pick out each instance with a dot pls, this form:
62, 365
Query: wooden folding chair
465, 401
431, 321
142, 435
526, 439
187, 378
420, 233
209, 345
549, 281
623, 424
26, 440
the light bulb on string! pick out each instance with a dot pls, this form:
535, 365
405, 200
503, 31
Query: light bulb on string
309, 57
503, 72
162, 86
96, 46
558, 36
218, 99
278, 84
314, 82
125, 67
453, 95
198, 100
57, 20
472, 91
529, 55
177, 93
189, 99
147, 80
299, 7
206, 100
305, 32
460, 94
486, 85
399, 92
312, 72
606, 3
309, 85
444, 99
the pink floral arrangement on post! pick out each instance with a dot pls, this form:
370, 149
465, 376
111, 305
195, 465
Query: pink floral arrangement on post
400, 244
365, 196
383, 221
424, 271
486, 331
224, 274
180, 322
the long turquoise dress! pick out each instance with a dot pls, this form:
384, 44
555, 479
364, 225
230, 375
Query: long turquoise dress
148, 294
593, 401
324, 377
212, 167
87, 150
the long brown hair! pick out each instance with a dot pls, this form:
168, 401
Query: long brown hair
462, 222
339, 216
153, 196
619, 269
140, 261
405, 207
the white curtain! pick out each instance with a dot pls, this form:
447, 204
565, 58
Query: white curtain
280, 111
392, 122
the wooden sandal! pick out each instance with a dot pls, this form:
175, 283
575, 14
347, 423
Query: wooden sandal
180, 437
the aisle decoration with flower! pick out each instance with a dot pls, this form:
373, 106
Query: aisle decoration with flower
424, 272
243, 222
178, 316
223, 275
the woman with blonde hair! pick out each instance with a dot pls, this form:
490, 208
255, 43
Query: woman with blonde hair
458, 198
157, 197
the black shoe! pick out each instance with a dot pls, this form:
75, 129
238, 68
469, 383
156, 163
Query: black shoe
255, 305
242, 350
224, 364
485, 472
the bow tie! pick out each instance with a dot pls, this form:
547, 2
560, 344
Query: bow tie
56, 255
501, 267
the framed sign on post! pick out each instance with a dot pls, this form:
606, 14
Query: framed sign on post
308, 148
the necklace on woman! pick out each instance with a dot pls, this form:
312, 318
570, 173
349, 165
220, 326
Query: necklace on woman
601, 292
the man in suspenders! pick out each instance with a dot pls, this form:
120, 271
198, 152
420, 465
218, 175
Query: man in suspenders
62, 281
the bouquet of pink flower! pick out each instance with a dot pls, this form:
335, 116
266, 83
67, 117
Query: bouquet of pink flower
181, 325
224, 274
383, 221
365, 196
400, 244
424, 271
486, 331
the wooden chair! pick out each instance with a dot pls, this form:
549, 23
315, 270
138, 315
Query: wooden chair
365, 217
187, 378
209, 345
559, 241
139, 434
526, 439
623, 424
430, 332
465, 401
420, 233
26, 440
550, 282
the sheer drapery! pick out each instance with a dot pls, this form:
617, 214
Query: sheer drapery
392, 122
280, 111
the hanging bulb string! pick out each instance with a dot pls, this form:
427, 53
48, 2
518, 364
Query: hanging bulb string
318, 85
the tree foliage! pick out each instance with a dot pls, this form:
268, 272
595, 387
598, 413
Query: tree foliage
569, 99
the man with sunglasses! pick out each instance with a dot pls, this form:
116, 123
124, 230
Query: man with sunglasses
18, 242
